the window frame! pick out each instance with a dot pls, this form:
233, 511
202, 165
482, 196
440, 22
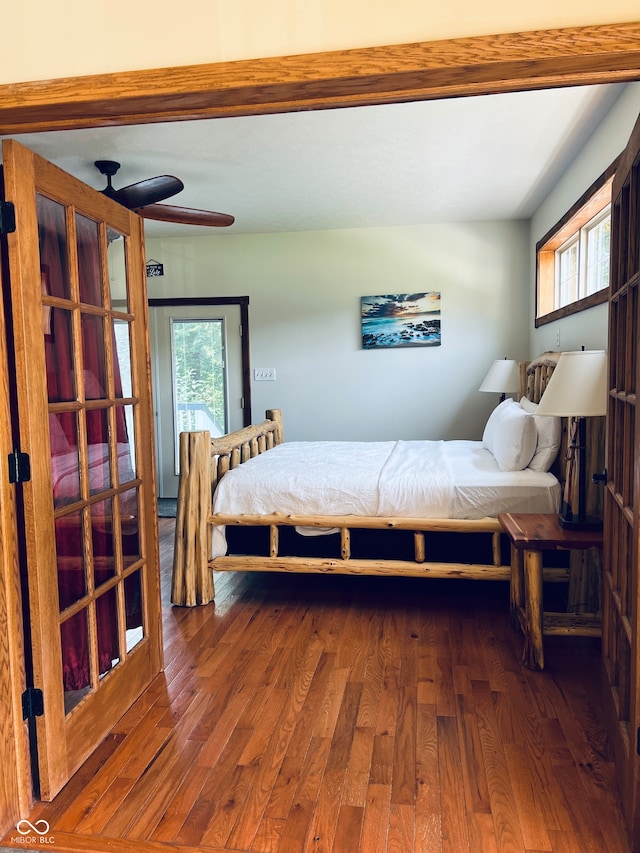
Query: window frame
586, 209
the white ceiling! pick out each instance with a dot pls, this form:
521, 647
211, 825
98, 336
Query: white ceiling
487, 157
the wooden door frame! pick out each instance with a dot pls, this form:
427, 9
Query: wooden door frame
479, 65
511, 62
15, 771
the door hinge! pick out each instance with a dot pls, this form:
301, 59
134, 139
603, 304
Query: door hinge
7, 217
32, 703
19, 467
638, 741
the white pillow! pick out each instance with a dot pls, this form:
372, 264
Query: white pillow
549, 429
490, 426
510, 434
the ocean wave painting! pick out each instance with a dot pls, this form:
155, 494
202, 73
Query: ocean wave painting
401, 320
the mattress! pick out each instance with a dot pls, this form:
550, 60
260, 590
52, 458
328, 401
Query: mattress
408, 479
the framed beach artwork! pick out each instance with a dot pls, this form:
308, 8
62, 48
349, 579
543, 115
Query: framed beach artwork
401, 320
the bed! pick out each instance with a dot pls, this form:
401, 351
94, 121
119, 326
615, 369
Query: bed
324, 506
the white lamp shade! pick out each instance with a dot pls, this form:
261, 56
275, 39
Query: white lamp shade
503, 377
578, 386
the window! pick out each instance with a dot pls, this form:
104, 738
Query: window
573, 257
582, 263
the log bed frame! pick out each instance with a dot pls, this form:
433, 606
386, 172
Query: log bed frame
203, 461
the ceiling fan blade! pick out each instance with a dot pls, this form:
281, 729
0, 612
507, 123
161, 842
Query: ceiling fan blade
185, 215
148, 191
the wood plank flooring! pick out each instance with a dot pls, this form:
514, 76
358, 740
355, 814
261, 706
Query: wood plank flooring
314, 713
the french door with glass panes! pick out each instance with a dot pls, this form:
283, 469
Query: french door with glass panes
621, 583
84, 418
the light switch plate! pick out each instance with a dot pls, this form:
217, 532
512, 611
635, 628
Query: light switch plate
264, 374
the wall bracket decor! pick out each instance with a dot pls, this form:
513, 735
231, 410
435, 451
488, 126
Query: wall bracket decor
154, 269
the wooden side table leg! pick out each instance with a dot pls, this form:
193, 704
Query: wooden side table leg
516, 587
533, 655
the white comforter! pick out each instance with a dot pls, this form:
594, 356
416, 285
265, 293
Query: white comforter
413, 479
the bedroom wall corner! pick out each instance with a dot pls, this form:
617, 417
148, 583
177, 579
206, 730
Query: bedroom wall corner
305, 290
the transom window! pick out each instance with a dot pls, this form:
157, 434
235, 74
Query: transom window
573, 257
582, 263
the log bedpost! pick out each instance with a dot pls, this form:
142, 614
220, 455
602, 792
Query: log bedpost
275, 415
192, 581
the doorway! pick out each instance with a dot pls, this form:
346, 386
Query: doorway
199, 366
478, 65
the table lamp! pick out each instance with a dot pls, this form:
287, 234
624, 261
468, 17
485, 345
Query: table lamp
503, 378
577, 390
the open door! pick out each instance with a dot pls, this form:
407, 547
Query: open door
84, 415
620, 646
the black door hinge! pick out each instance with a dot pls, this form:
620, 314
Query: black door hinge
19, 467
638, 742
7, 217
32, 703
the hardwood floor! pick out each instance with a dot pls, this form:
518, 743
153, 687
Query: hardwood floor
314, 713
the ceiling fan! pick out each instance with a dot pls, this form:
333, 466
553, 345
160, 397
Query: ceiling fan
143, 198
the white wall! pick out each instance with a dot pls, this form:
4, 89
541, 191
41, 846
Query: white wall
75, 37
305, 290
587, 328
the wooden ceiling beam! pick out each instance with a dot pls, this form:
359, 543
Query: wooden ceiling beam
377, 75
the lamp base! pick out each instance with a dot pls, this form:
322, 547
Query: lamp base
580, 522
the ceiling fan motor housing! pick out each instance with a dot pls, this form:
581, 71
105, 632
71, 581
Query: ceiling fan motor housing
107, 167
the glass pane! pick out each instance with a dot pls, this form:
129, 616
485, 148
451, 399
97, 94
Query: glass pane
72, 698
58, 346
129, 520
107, 624
47, 318
65, 465
197, 354
70, 559
93, 344
98, 450
133, 606
122, 368
598, 247
116, 263
102, 541
568, 283
89, 277
54, 251
75, 659
126, 446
